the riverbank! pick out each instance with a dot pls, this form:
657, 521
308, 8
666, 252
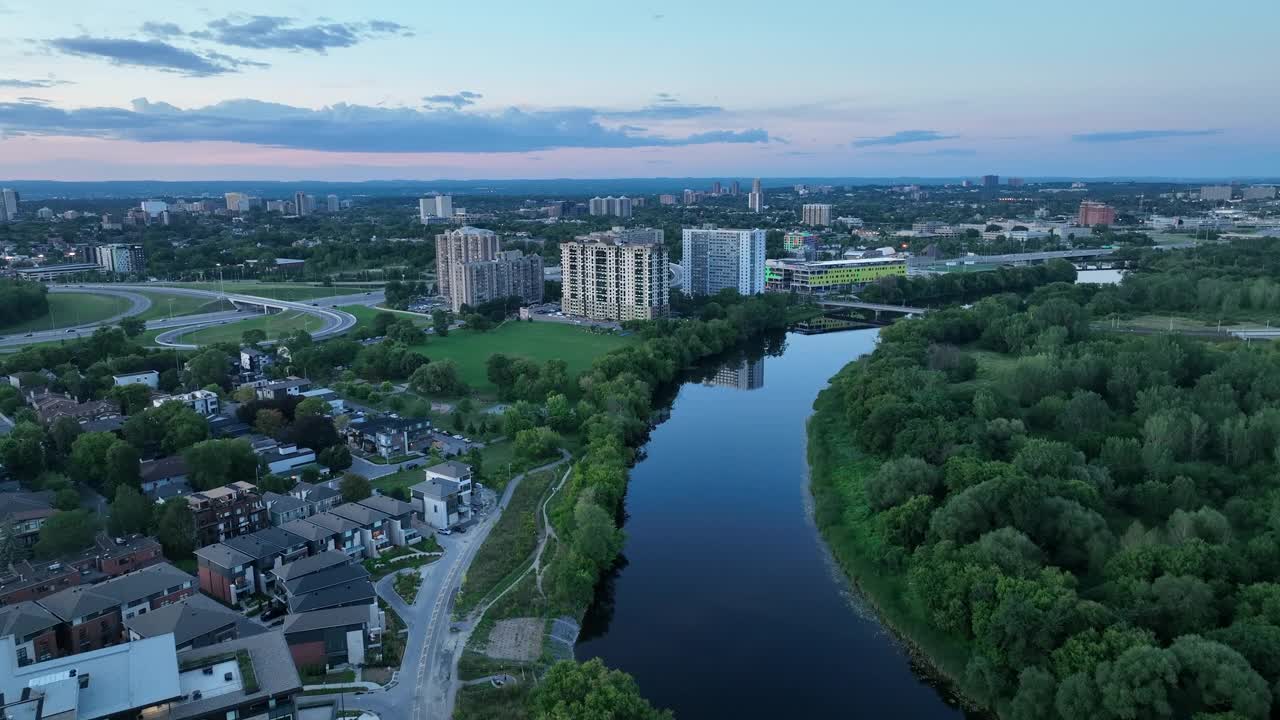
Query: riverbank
837, 506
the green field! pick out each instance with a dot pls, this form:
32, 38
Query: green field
365, 314
162, 304
539, 341
70, 309
276, 326
279, 291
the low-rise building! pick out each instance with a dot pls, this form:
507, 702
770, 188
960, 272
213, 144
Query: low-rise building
321, 497
283, 388
347, 535
149, 378
253, 360
25, 513
318, 537
204, 402
105, 558
374, 526
162, 472
309, 565
284, 508
445, 496
193, 621
388, 437
227, 511
268, 549
815, 277
95, 613
34, 631
399, 522
322, 639
249, 677
341, 586
225, 573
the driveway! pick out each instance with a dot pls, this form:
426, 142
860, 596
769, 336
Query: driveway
374, 470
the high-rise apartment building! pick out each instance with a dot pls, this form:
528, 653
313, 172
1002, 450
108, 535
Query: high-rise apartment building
1016, 182
755, 201
1095, 213
1260, 192
610, 206
816, 214
690, 197
667, 199
717, 259
1216, 193
617, 275
715, 188
443, 206
9, 199
303, 204
331, 204
735, 189
510, 274
990, 181
454, 249
121, 258
233, 201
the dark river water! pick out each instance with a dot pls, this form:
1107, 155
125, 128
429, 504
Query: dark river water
725, 604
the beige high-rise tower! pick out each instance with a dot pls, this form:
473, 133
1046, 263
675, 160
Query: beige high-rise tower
456, 248
616, 275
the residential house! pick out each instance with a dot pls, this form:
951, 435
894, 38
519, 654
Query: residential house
319, 538
282, 458
340, 586
227, 511
50, 406
162, 472
255, 361
111, 682
322, 639
308, 566
283, 388
193, 621
34, 631
284, 508
374, 526
268, 549
105, 558
321, 497
399, 522
205, 403
225, 573
348, 535
444, 498
25, 513
336, 404
149, 378
388, 436
95, 614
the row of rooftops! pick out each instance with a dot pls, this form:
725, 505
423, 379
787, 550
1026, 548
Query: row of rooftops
89, 565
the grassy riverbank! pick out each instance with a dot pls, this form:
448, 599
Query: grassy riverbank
837, 472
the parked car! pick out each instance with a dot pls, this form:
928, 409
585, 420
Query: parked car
444, 531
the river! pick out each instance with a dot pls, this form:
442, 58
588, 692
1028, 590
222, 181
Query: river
725, 604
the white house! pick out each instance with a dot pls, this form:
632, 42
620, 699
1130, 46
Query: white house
150, 378
444, 498
204, 402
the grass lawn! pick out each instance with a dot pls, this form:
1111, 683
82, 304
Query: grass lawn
162, 303
276, 326
365, 314
1176, 322
540, 341
509, 545
280, 291
70, 309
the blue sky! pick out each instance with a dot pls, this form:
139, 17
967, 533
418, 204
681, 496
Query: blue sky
489, 89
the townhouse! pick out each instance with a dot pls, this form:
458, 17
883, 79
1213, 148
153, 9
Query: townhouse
94, 615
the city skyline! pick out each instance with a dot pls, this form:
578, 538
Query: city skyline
335, 92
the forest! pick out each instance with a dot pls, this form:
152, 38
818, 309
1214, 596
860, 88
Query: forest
1068, 523
21, 301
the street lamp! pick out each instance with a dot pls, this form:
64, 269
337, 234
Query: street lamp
221, 288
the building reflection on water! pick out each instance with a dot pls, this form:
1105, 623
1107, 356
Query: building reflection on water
746, 375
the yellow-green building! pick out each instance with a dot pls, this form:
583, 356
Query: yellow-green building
817, 277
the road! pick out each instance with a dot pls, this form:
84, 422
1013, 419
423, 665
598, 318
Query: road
336, 321
427, 681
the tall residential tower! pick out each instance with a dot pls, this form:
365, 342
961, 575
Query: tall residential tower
616, 275
717, 259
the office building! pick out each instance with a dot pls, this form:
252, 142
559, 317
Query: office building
1216, 193
718, 259
617, 275
816, 214
1260, 192
755, 201
1095, 213
438, 207
122, 258
828, 276
331, 204
990, 181
9, 199
800, 243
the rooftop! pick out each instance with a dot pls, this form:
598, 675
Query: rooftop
82, 600
330, 618
333, 522
311, 564
332, 577
451, 469
360, 514
271, 674
223, 555
264, 543
25, 619
387, 505
358, 592
436, 488
308, 530
186, 620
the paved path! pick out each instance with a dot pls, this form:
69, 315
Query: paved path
425, 686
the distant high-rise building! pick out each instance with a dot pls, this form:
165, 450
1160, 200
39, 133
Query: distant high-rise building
303, 203
598, 206
1016, 182
153, 207
990, 181
690, 196
666, 199
121, 258
715, 188
615, 206
1215, 193
1095, 213
735, 189
1260, 192
755, 201
617, 275
444, 206
9, 198
966, 183
331, 204
233, 201
800, 243
45, 213
717, 259
816, 214
470, 269
279, 206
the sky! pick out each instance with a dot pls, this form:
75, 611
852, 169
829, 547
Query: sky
491, 89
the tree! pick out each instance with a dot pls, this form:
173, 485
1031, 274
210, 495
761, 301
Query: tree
440, 323
209, 367
66, 532
595, 536
132, 398
311, 407
22, 450
590, 691
214, 463
335, 457
62, 433
354, 487
438, 378
122, 468
253, 336
89, 459
176, 529
132, 325
560, 415
269, 422
313, 431
130, 512
536, 443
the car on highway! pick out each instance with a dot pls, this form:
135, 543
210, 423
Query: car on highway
71, 330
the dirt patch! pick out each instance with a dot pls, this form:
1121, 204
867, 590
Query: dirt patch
382, 676
516, 639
